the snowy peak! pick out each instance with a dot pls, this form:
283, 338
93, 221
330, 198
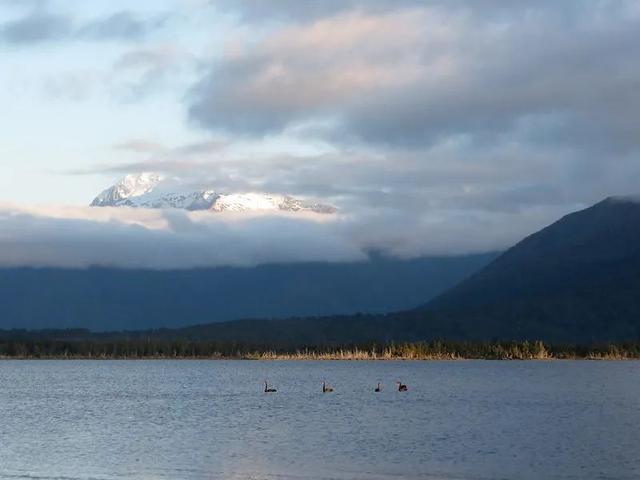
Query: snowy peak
239, 202
150, 190
130, 186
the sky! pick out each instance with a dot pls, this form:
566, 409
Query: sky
436, 127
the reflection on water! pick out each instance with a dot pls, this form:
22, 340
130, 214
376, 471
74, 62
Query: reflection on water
211, 419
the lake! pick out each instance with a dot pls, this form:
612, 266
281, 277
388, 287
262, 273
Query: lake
188, 419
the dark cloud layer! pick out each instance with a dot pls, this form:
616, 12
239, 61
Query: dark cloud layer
36, 27
303, 11
39, 25
487, 106
417, 76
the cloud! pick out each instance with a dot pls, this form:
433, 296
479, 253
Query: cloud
193, 158
296, 11
36, 27
417, 75
79, 237
118, 26
266, 87
156, 58
144, 71
82, 237
490, 108
448, 176
283, 11
39, 25
140, 146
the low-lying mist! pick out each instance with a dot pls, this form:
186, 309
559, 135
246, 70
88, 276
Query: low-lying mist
79, 237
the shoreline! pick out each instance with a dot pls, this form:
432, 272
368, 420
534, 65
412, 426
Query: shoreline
164, 349
284, 358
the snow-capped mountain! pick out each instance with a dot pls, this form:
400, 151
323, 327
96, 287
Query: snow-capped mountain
150, 190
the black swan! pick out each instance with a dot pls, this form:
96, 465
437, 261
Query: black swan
326, 388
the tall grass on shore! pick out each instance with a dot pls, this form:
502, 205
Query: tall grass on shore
183, 349
525, 350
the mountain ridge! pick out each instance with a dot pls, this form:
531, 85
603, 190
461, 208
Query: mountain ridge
151, 190
113, 299
607, 232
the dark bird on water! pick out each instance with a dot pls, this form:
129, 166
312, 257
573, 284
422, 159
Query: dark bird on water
378, 388
326, 388
268, 389
401, 387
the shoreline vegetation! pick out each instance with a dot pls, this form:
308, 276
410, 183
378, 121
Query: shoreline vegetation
437, 350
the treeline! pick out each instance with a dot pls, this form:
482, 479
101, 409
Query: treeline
151, 348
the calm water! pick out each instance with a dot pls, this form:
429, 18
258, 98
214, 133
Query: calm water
209, 419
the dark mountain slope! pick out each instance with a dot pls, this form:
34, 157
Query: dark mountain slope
110, 299
578, 279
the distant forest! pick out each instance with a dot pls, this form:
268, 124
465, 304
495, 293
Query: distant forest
74, 344
102, 299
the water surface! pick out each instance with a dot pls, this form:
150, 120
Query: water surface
113, 420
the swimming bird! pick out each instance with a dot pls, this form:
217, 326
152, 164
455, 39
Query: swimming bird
326, 388
378, 388
401, 387
268, 389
